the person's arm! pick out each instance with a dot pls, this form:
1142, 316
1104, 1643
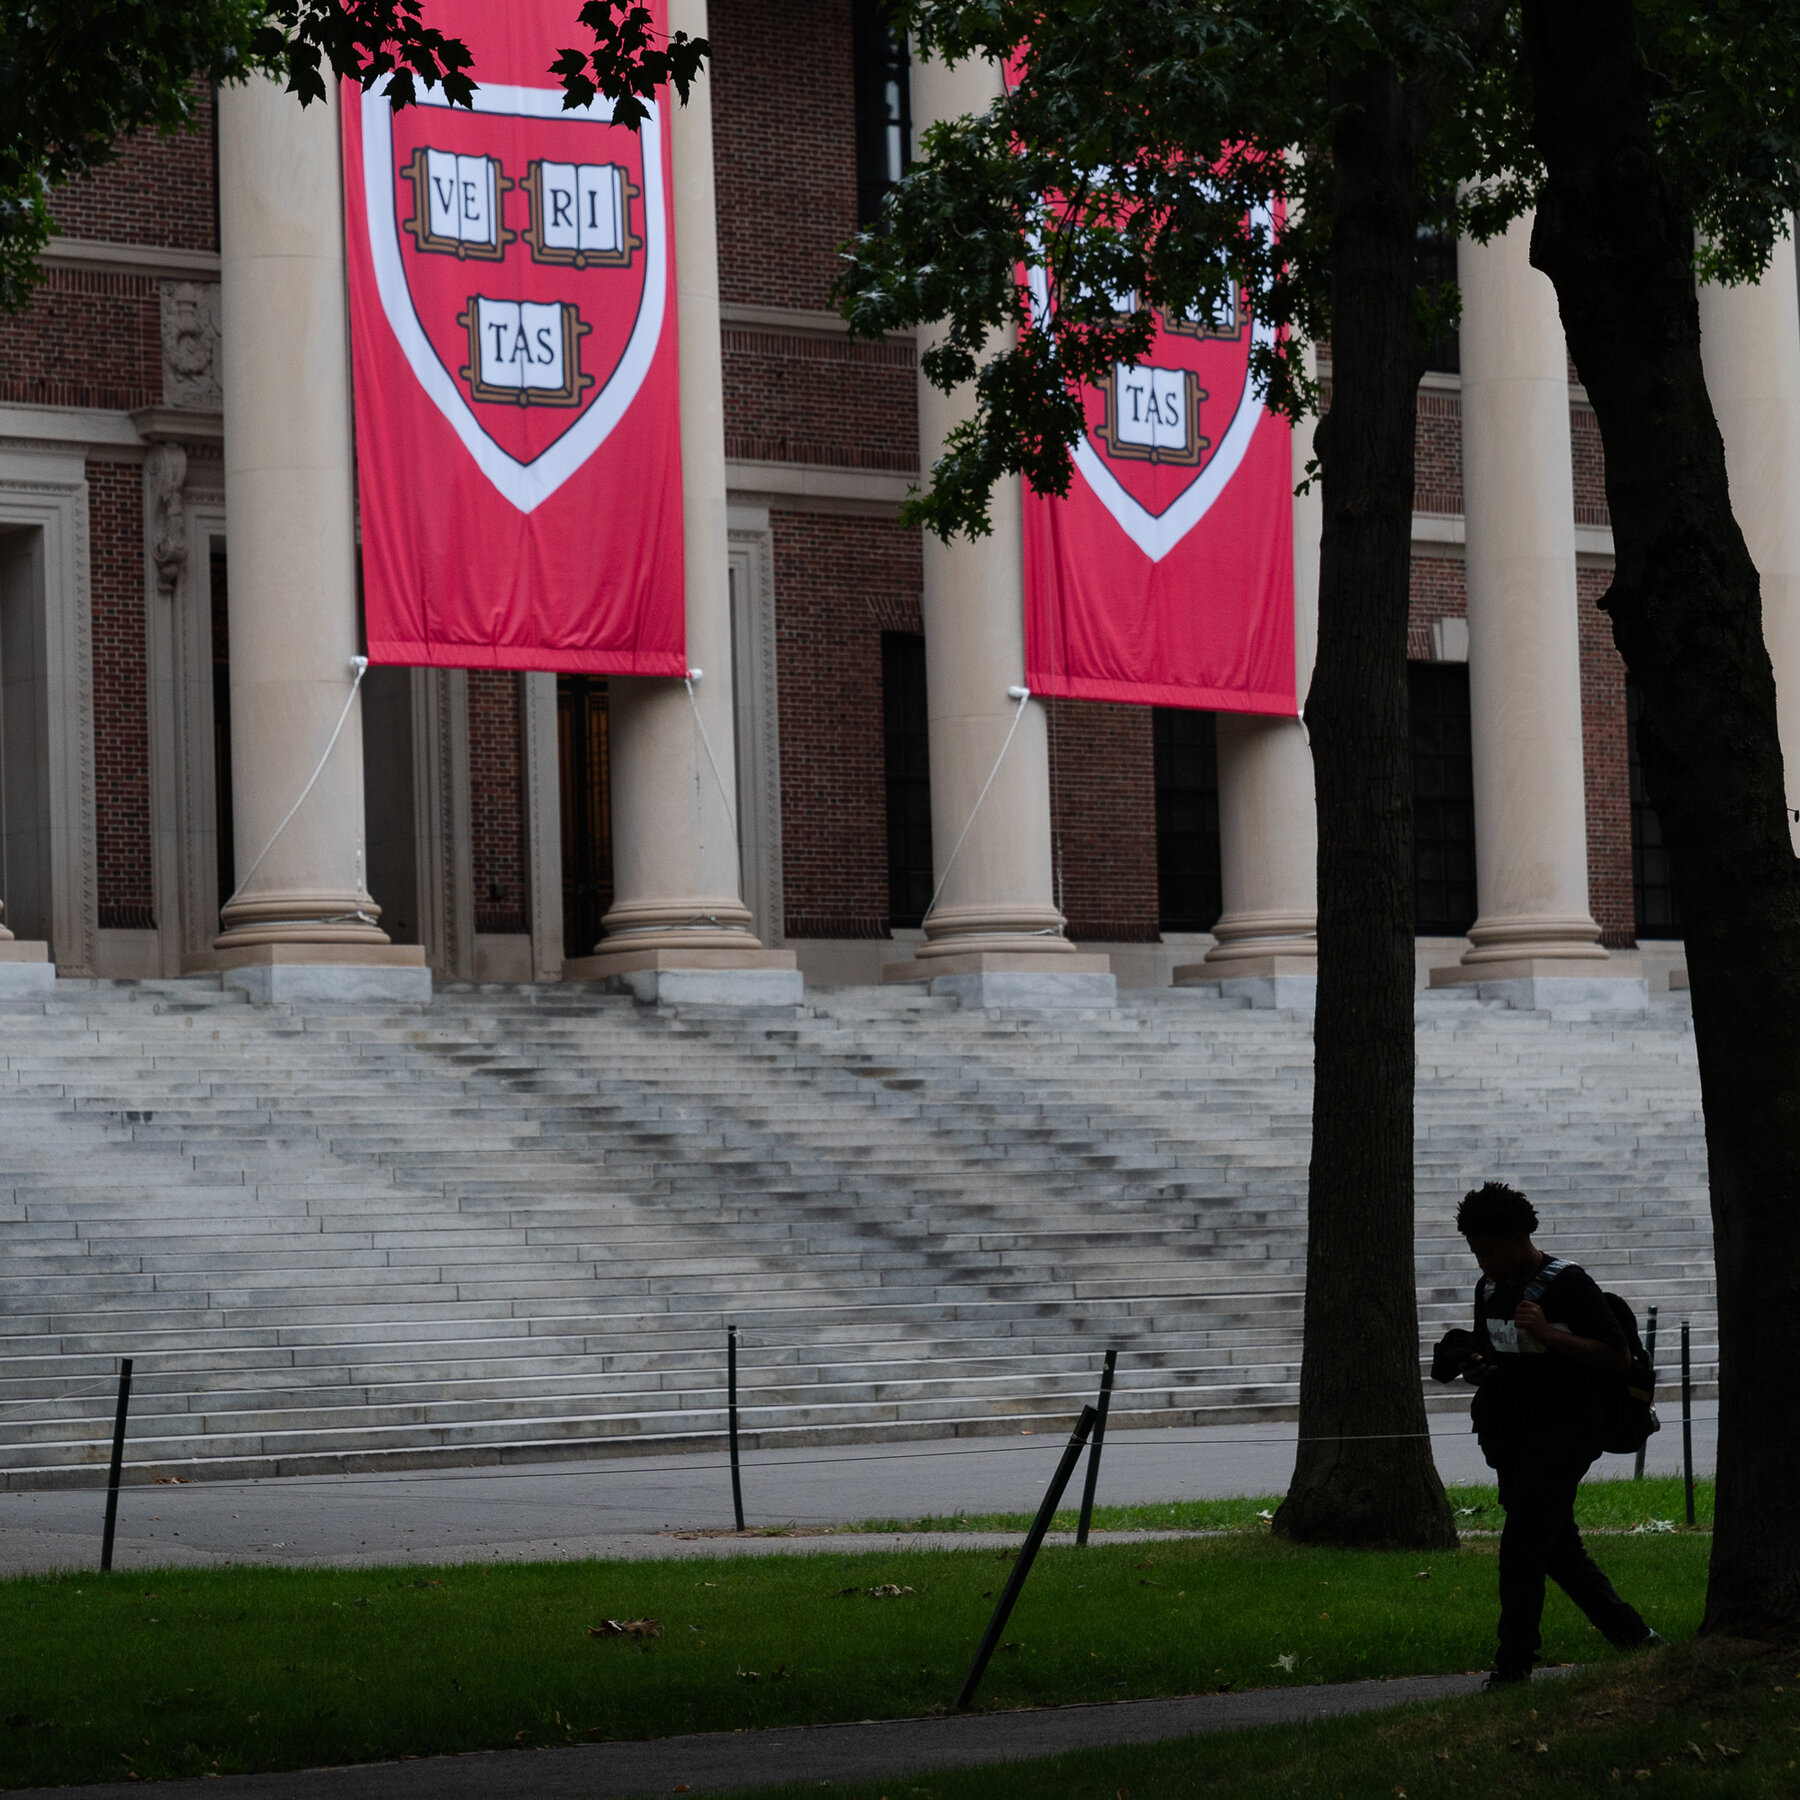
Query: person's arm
1597, 1353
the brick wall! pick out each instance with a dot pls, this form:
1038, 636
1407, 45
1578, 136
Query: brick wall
793, 398
159, 191
1590, 468
121, 693
784, 148
1606, 761
88, 339
1439, 591
839, 584
1437, 441
496, 801
1103, 811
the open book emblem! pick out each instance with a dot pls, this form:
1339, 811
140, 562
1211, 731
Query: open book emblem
1164, 437
521, 255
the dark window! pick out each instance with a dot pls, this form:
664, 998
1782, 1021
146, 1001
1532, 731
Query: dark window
1652, 883
883, 106
221, 677
906, 746
1434, 265
584, 759
1187, 818
1443, 769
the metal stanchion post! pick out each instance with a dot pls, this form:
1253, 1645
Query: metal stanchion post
1637, 1474
118, 1462
1094, 1449
1687, 1422
1034, 1538
737, 1485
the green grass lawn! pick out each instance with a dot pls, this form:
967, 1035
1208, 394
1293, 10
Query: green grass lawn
187, 1671
1599, 1505
1718, 1720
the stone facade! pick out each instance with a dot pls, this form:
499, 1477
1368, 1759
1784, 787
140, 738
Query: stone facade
121, 354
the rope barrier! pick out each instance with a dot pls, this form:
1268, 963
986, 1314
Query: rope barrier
613, 1467
687, 681
1022, 695
361, 665
100, 1387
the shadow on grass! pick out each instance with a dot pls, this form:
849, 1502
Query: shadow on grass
1715, 1718
196, 1671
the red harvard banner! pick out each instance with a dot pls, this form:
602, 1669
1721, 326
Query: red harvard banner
1166, 577
512, 307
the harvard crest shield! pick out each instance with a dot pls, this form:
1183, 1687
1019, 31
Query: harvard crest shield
520, 255
514, 333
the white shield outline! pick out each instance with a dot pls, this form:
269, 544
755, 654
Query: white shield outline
1156, 534
527, 485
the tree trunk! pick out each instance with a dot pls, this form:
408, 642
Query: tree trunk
1686, 609
1364, 1473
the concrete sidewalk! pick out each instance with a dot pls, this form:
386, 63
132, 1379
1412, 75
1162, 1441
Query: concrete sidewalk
721, 1762
625, 1506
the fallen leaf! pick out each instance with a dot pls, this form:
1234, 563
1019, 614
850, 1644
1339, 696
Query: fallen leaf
637, 1628
1288, 1662
748, 1675
888, 1591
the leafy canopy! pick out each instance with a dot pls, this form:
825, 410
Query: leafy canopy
78, 76
1169, 154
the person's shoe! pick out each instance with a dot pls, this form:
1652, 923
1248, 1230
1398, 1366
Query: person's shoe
1505, 1678
1652, 1640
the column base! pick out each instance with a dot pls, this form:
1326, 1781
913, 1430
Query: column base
1272, 983
1254, 937
279, 973
26, 970
701, 976
1537, 983
1013, 978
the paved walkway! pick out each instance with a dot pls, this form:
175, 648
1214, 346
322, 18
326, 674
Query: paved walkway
627, 1506
721, 1762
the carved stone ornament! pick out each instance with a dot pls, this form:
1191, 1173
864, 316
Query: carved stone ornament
190, 344
165, 479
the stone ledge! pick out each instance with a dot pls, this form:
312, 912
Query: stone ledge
1596, 966
1040, 987
1264, 983
271, 974
999, 962
302, 954
711, 987
604, 965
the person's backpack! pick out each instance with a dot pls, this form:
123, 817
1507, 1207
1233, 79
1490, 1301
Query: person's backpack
1627, 1398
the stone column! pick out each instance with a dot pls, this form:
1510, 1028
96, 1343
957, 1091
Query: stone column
1268, 949
995, 935
678, 928
304, 924
1750, 344
1535, 942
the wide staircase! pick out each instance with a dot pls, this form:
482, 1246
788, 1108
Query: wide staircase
516, 1224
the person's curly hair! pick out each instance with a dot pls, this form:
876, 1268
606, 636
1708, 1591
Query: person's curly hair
1496, 1210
